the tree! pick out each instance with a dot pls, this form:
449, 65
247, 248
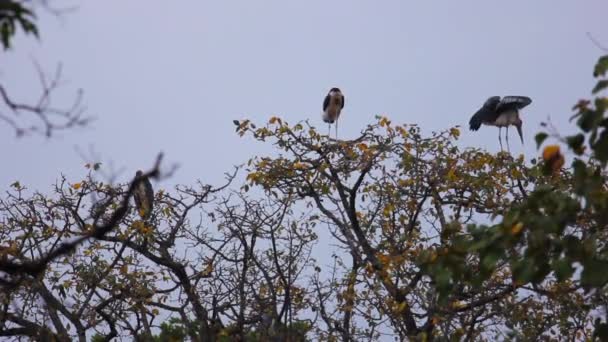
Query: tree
430, 242
554, 239
41, 117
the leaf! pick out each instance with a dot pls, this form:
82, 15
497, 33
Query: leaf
589, 120
563, 269
77, 186
517, 228
457, 304
540, 137
362, 147
575, 142
601, 331
594, 273
207, 271
236, 122
601, 66
600, 147
599, 86
550, 152
455, 132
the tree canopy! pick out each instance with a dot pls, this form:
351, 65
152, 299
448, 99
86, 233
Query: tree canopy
396, 234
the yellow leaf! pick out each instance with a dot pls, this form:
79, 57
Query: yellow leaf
517, 228
457, 304
433, 257
76, 186
384, 259
207, 271
516, 173
362, 146
155, 312
455, 132
299, 166
124, 269
401, 307
452, 175
553, 157
388, 209
550, 152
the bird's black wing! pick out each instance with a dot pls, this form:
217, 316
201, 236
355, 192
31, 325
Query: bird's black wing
326, 102
484, 114
509, 103
342, 106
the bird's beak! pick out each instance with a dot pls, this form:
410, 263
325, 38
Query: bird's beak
521, 135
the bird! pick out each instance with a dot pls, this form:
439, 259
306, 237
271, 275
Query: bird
143, 195
332, 107
501, 113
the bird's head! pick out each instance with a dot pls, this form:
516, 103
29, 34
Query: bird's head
518, 125
335, 91
139, 173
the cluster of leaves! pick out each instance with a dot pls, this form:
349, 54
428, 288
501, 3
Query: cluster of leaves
557, 234
235, 274
15, 13
428, 241
397, 203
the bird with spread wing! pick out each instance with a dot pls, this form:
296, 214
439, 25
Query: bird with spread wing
501, 113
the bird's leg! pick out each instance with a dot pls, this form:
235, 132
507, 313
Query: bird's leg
507, 137
336, 128
328, 130
499, 138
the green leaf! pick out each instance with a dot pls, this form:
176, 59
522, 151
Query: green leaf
594, 273
600, 147
601, 67
599, 86
589, 120
575, 141
601, 331
563, 269
540, 137
524, 270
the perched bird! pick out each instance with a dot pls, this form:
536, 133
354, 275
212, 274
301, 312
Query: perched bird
501, 113
143, 195
332, 106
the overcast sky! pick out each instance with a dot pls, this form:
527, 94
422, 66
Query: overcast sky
171, 76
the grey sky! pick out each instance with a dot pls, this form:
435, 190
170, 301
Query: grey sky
172, 77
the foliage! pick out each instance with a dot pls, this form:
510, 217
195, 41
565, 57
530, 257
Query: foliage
13, 13
41, 116
554, 239
394, 233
